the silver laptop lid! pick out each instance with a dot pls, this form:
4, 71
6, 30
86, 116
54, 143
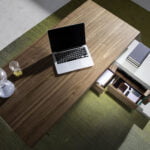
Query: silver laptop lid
67, 37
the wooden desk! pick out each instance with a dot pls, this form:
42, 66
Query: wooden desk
41, 97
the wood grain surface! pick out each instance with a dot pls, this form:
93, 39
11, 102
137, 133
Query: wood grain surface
42, 97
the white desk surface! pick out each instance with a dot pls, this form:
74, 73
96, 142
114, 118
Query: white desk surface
140, 74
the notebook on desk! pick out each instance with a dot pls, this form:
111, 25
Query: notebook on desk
69, 49
138, 55
143, 72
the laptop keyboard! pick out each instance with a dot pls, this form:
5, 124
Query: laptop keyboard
74, 54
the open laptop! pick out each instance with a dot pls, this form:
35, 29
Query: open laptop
69, 50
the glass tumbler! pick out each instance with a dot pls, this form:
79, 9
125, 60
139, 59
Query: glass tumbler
15, 68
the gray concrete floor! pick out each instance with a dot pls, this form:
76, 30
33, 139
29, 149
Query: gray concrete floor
18, 16
143, 3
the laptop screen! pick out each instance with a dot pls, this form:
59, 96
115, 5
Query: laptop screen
67, 37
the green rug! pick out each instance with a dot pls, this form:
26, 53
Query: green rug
93, 123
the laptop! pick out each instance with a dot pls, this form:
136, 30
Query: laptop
69, 49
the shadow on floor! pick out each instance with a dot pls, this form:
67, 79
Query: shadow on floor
67, 9
50, 5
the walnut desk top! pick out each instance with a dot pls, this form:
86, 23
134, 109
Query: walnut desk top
41, 97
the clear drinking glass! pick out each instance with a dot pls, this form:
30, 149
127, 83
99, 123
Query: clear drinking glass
15, 68
7, 88
3, 77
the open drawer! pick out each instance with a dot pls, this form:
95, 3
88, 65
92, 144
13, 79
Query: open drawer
119, 95
126, 90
